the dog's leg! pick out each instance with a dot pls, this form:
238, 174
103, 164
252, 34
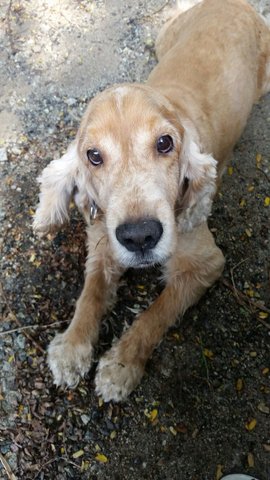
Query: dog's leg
70, 353
196, 265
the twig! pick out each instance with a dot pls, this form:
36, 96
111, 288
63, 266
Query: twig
232, 276
49, 462
15, 319
157, 11
245, 301
9, 29
26, 327
265, 174
7, 468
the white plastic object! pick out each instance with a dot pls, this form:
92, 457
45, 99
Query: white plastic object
238, 476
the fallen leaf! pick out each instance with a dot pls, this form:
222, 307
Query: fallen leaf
267, 201
173, 431
85, 465
242, 203
250, 425
248, 232
219, 471
263, 315
153, 415
239, 385
250, 459
258, 159
266, 447
230, 170
208, 353
263, 408
265, 371
101, 458
253, 354
78, 454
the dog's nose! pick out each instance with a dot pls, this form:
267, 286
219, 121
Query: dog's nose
139, 236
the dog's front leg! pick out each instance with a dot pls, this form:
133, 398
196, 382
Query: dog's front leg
194, 267
70, 354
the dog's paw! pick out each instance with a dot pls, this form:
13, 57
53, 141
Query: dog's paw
68, 361
42, 226
115, 379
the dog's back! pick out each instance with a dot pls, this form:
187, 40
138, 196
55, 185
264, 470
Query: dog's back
216, 55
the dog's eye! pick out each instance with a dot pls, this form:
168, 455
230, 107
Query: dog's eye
94, 156
165, 144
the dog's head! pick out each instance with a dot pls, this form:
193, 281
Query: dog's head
136, 160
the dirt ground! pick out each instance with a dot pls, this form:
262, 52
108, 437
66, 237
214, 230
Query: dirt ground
203, 406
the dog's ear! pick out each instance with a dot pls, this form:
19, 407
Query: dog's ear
197, 184
57, 181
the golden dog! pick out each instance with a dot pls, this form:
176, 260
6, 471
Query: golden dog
144, 169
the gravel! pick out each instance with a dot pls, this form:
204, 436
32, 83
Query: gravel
202, 408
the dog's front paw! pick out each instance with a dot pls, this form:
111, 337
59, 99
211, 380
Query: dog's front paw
115, 378
69, 361
42, 224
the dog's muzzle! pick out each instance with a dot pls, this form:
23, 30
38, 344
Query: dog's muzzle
140, 236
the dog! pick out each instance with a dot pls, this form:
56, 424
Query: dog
144, 169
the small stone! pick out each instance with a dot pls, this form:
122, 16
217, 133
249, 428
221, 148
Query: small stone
3, 155
16, 151
70, 101
20, 341
36, 48
85, 419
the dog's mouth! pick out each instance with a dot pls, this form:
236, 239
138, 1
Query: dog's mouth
142, 261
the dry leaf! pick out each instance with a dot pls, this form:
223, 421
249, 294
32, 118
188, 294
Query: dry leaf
258, 159
251, 424
250, 459
208, 353
239, 385
153, 415
78, 454
101, 458
219, 472
173, 431
263, 315
263, 408
230, 170
267, 201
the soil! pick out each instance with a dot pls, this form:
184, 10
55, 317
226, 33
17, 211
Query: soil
202, 409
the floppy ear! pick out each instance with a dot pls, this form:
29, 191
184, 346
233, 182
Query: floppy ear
197, 185
57, 181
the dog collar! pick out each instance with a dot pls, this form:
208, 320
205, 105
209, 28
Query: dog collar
93, 212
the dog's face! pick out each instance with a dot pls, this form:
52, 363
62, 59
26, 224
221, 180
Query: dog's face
134, 159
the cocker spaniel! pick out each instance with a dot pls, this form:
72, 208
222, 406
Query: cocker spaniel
143, 170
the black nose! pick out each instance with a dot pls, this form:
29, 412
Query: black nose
139, 236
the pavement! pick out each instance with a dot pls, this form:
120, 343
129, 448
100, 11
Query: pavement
202, 409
